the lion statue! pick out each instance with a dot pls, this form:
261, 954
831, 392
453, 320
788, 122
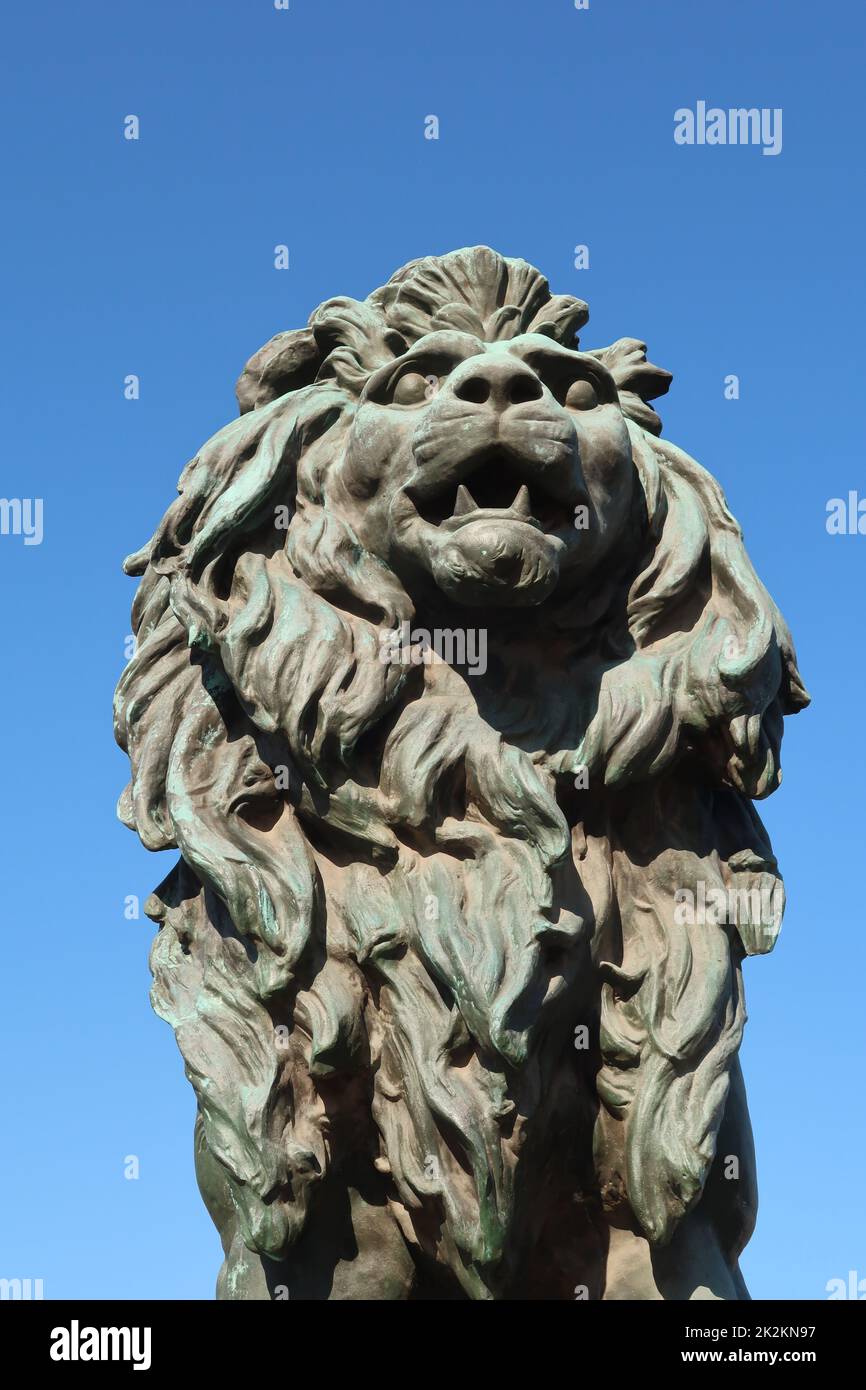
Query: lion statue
454, 687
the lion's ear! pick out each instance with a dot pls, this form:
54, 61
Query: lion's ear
353, 340
561, 318
285, 363
637, 380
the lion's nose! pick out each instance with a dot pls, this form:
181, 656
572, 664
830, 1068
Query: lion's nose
498, 384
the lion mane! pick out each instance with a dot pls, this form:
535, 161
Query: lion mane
401, 894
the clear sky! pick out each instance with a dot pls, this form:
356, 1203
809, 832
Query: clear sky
155, 257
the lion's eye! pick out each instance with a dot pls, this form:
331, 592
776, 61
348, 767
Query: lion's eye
411, 389
581, 395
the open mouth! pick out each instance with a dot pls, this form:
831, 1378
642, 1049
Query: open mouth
493, 490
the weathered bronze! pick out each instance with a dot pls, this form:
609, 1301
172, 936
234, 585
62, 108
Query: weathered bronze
454, 687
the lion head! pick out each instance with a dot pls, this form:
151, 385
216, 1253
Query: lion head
466, 463
406, 884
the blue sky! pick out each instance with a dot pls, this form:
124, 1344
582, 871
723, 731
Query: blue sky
155, 257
